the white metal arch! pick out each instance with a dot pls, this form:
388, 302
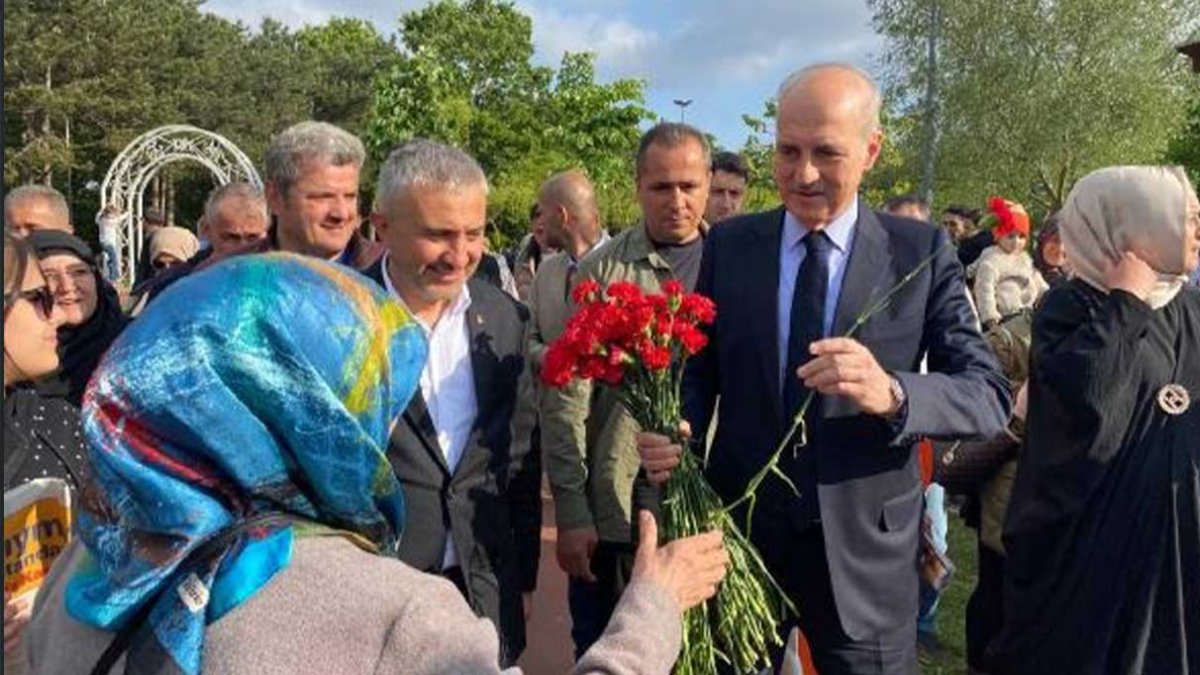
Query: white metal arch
125, 183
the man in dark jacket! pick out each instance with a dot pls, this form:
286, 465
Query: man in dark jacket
843, 544
312, 172
471, 489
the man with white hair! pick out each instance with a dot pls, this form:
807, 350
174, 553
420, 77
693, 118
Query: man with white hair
36, 207
235, 217
471, 489
235, 221
842, 542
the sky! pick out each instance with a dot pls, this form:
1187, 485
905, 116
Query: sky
727, 57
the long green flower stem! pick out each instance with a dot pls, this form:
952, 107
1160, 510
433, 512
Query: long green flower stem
738, 626
797, 435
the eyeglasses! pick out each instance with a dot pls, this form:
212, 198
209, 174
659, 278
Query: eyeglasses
76, 273
41, 298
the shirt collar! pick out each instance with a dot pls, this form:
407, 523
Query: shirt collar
838, 231
595, 247
460, 306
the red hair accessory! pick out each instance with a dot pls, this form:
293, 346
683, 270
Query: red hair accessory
1010, 221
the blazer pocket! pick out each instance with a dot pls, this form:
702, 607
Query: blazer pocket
897, 512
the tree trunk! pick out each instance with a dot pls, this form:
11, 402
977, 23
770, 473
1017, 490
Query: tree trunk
929, 152
47, 167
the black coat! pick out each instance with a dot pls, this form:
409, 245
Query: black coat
491, 502
1103, 528
42, 439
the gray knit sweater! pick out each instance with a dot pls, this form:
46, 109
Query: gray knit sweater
339, 610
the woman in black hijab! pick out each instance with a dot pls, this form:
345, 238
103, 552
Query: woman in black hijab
92, 316
1103, 528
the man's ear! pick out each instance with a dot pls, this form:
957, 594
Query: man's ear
275, 197
874, 147
379, 222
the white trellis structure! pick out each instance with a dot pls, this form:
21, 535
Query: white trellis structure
133, 169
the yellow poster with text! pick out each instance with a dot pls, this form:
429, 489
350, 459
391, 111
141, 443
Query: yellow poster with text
37, 527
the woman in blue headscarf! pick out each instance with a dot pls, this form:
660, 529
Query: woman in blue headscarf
242, 516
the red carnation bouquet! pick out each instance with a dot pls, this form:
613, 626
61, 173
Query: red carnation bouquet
637, 344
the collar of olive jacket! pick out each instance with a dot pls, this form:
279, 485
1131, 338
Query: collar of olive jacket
638, 247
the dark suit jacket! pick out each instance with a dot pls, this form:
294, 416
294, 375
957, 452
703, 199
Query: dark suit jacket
869, 486
491, 502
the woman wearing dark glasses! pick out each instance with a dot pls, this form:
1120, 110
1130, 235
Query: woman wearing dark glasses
42, 437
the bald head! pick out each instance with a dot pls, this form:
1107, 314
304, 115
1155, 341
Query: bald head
827, 138
567, 206
839, 87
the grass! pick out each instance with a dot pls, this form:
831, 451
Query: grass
952, 660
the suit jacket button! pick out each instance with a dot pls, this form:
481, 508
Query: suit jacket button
451, 495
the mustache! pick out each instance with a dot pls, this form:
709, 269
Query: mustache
813, 188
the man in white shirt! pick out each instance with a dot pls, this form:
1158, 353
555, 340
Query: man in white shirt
471, 493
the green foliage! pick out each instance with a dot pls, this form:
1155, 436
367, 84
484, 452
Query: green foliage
1035, 93
1184, 149
758, 151
111, 71
468, 80
346, 55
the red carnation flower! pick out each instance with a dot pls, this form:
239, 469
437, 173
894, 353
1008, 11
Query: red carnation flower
586, 292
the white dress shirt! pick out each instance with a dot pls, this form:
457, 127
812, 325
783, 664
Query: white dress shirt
791, 253
447, 383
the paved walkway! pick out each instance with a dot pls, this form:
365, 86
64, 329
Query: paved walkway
549, 650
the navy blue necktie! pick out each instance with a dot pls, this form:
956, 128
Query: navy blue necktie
807, 319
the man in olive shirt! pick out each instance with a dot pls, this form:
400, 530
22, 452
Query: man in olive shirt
589, 441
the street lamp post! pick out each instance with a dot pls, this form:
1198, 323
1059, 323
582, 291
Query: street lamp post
683, 103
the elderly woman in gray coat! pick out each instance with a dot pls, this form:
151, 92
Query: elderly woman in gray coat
241, 515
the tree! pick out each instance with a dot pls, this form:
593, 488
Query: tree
345, 55
1035, 93
1184, 149
468, 80
84, 78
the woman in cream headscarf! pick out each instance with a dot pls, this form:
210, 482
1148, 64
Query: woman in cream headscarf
172, 246
1103, 530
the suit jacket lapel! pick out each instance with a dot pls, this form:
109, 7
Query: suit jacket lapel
866, 271
375, 273
763, 282
416, 416
483, 358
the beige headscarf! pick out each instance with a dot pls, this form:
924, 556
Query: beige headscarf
174, 240
1142, 209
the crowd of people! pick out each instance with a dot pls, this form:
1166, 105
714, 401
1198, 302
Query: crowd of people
306, 420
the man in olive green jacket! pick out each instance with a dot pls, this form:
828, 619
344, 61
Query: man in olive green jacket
588, 440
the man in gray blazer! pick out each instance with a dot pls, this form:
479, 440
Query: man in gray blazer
471, 492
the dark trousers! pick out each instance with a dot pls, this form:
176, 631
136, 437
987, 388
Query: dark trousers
985, 609
803, 574
592, 603
509, 653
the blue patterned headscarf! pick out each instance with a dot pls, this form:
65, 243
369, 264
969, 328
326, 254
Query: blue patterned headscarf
266, 384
